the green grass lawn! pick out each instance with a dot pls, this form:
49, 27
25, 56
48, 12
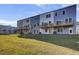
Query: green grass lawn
13, 45
69, 41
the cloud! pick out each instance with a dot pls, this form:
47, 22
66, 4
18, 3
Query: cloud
43, 7
6, 22
40, 5
64, 5
77, 7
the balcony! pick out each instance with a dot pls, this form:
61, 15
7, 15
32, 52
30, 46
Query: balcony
21, 29
63, 25
46, 25
51, 25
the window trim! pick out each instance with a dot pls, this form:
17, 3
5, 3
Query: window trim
70, 31
27, 21
55, 14
63, 12
66, 20
48, 15
70, 20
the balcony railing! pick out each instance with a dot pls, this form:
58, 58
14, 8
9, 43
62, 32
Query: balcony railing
21, 29
47, 25
63, 25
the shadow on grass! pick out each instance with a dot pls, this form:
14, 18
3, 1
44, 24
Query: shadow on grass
69, 41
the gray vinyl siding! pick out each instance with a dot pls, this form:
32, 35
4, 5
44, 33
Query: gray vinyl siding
70, 12
34, 21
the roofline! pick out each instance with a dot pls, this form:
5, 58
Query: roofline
49, 11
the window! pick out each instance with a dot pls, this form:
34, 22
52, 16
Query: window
49, 22
55, 14
48, 16
34, 31
45, 30
42, 23
9, 31
61, 30
58, 22
37, 24
63, 12
66, 20
27, 25
70, 20
70, 31
37, 31
27, 20
58, 30
34, 25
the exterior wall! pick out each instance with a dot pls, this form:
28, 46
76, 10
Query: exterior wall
19, 25
43, 19
26, 26
70, 12
64, 30
77, 29
49, 31
23, 24
35, 22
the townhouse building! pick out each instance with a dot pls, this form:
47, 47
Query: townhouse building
61, 21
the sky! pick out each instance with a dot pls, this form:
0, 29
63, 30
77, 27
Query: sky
10, 13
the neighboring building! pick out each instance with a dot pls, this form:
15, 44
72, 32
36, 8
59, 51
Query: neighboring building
7, 29
61, 21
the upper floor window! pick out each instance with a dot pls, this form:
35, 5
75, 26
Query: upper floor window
34, 25
66, 20
37, 24
27, 20
63, 12
58, 22
48, 15
70, 20
26, 26
55, 14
